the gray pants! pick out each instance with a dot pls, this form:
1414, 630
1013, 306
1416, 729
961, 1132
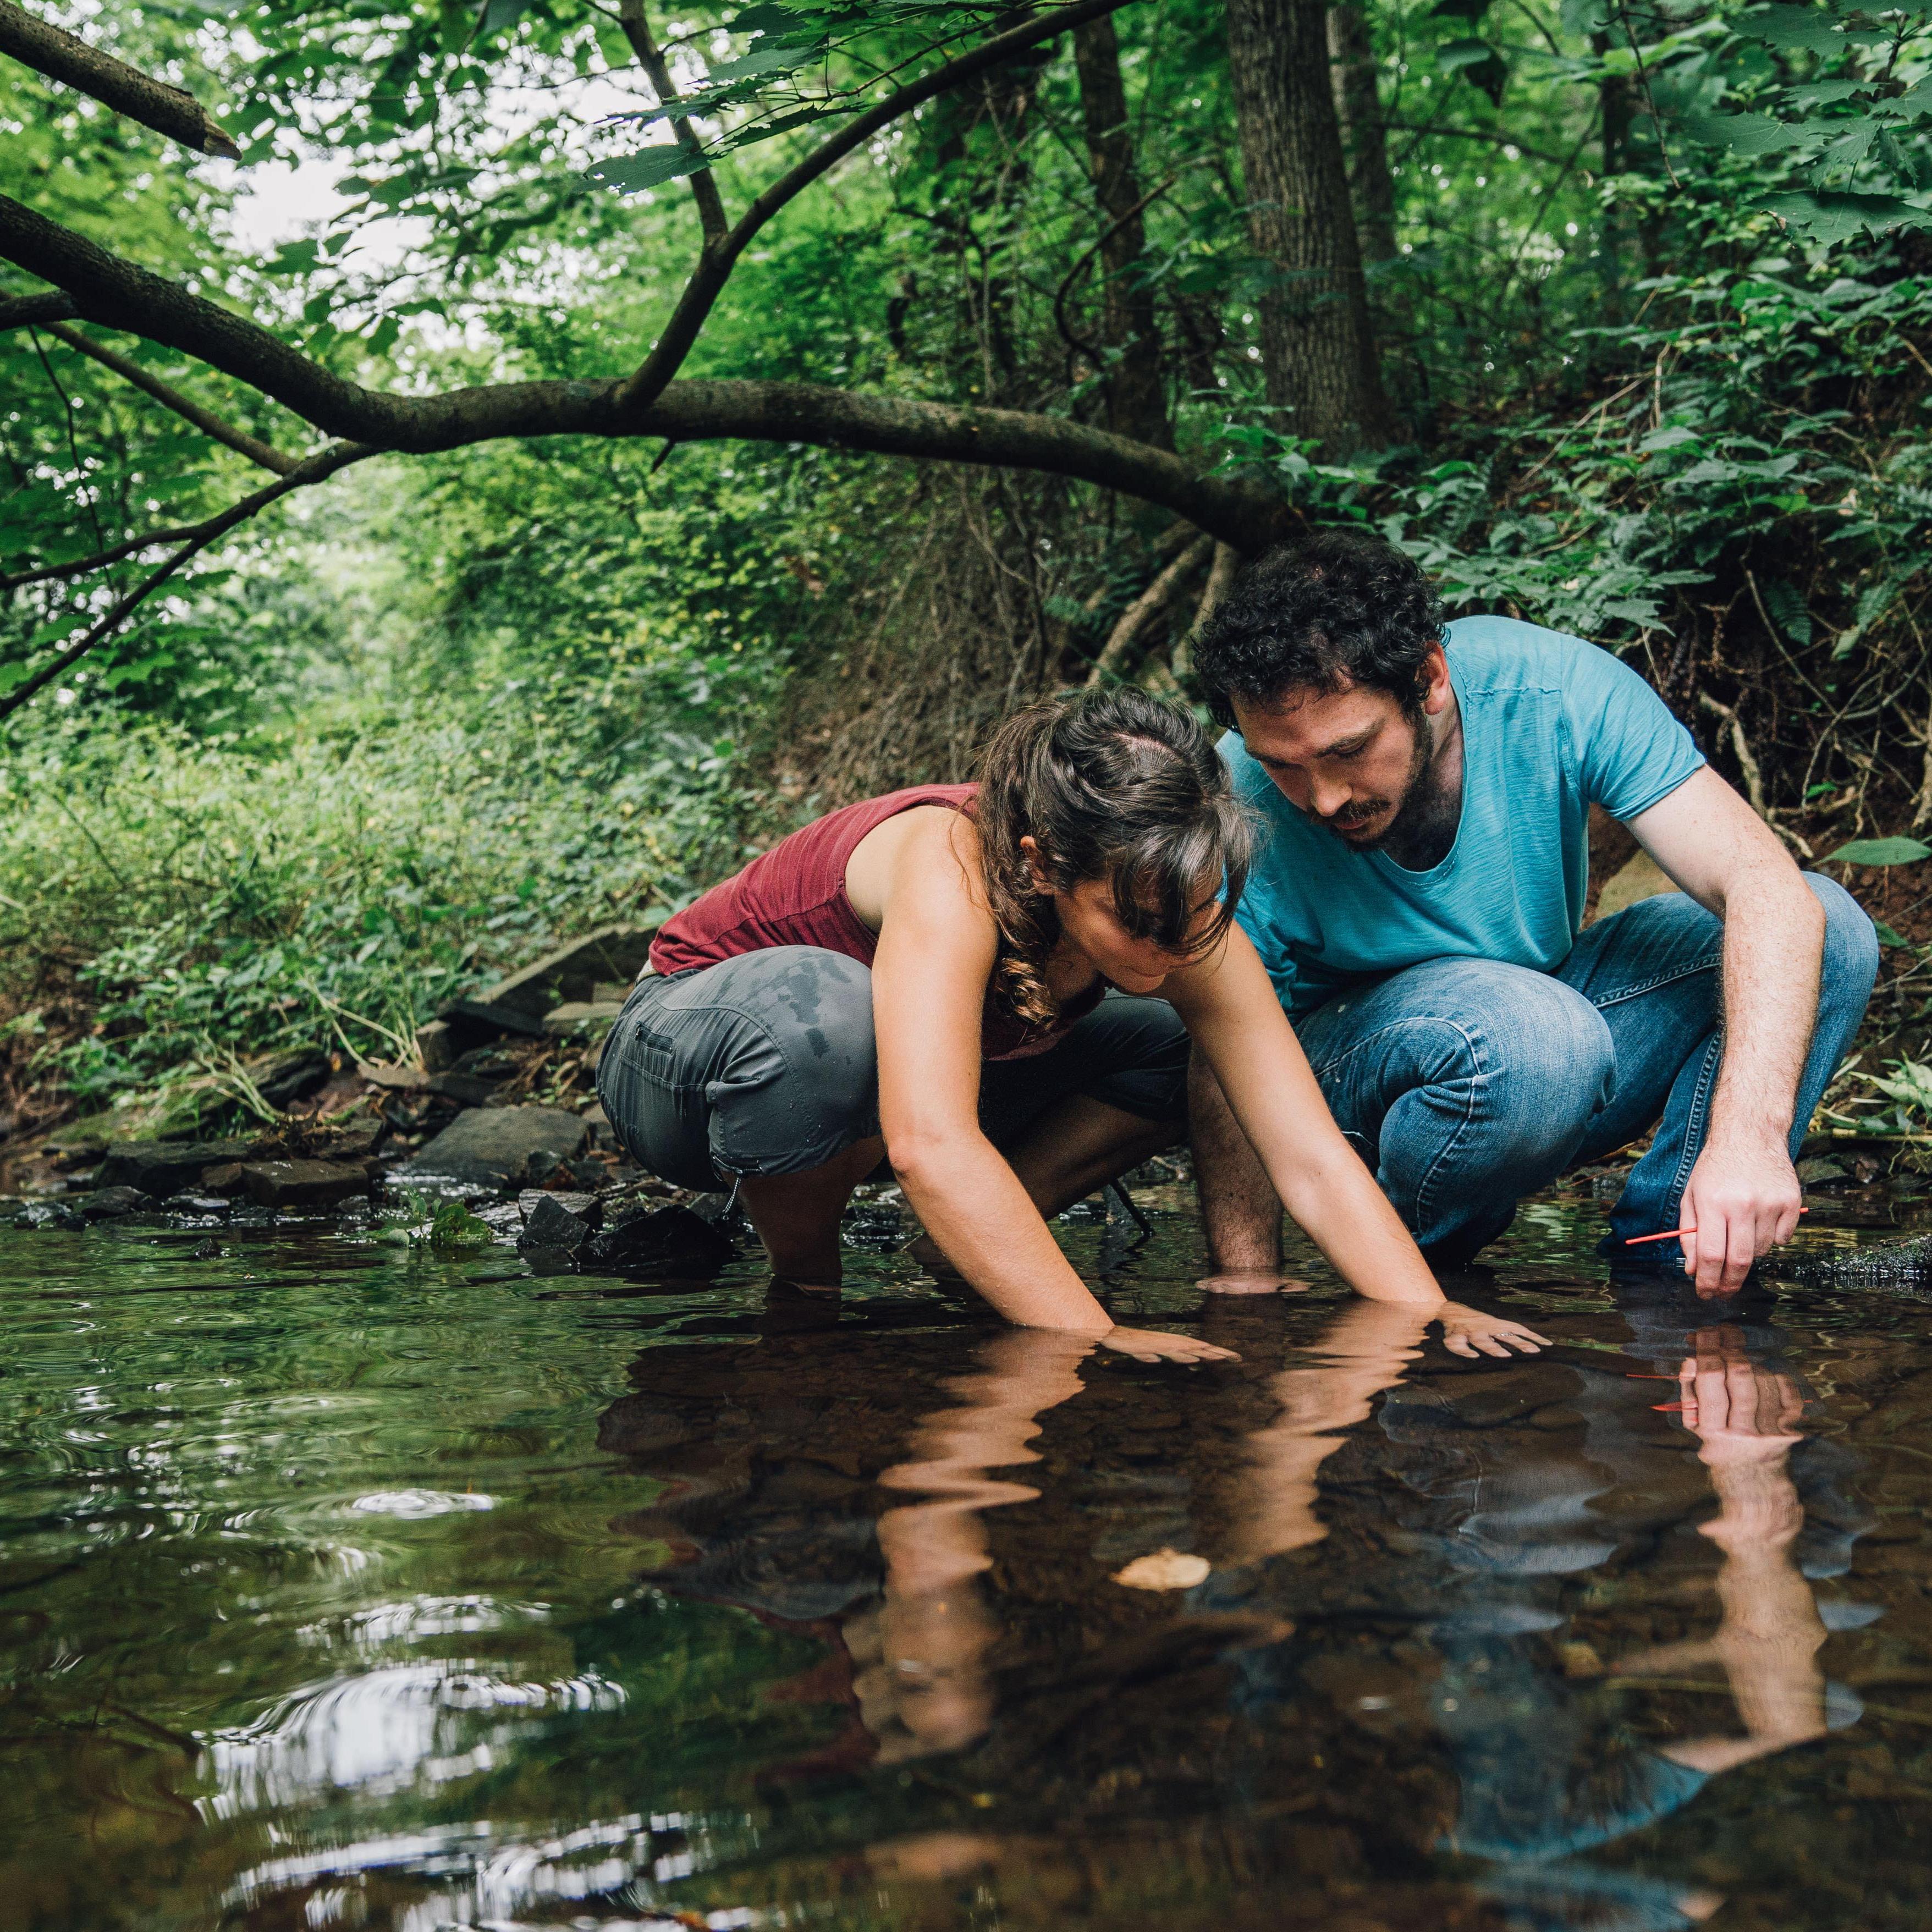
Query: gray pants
765, 1064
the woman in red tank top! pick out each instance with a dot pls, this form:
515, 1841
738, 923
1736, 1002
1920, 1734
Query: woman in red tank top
996, 988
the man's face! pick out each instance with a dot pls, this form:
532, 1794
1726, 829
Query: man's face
1350, 758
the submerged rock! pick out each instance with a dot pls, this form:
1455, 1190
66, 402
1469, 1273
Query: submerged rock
109, 1203
194, 1203
205, 1251
498, 1147
48, 1214
673, 1239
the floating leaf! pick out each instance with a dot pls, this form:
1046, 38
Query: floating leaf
1896, 851
1165, 1570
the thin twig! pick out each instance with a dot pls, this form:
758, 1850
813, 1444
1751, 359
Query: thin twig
210, 425
324, 463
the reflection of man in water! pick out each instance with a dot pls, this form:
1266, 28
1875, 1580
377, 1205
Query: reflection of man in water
1548, 1771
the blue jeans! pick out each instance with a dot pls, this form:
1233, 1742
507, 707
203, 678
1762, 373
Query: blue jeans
1466, 1084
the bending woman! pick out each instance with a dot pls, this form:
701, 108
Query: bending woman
962, 980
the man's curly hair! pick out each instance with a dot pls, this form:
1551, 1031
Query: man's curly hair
1343, 609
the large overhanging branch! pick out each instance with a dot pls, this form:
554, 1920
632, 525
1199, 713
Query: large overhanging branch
312, 469
107, 289
64, 57
720, 254
170, 397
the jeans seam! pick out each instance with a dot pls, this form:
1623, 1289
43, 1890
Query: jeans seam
1693, 1137
1477, 1078
1651, 984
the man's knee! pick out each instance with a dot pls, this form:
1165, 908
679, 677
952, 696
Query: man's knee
1850, 963
1527, 1054
1558, 1061
1530, 1031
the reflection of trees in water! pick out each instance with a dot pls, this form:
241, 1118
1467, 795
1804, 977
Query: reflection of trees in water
1082, 1745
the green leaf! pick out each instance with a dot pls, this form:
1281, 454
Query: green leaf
499, 14
1744, 133
1886, 937
1459, 10
774, 59
1479, 64
1810, 28
1833, 217
648, 167
1896, 851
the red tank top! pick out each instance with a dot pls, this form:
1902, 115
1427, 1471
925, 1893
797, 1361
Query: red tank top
794, 895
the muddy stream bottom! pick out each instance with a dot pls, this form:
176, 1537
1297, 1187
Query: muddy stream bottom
343, 1586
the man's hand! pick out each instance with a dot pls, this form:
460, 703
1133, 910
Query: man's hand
1153, 1344
1468, 1331
1743, 1200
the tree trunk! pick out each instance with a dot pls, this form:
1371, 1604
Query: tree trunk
1615, 103
1317, 351
1358, 108
1136, 395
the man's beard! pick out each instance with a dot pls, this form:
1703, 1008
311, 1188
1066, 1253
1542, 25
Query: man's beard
1417, 804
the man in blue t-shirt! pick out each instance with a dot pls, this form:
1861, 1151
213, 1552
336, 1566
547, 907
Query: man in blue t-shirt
1419, 898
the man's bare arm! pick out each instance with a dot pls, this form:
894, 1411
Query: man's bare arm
1743, 1195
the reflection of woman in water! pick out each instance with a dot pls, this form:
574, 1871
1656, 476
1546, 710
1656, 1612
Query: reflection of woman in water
994, 987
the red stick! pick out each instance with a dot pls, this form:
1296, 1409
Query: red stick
1671, 1234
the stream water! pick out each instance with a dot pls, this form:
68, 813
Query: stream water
343, 1586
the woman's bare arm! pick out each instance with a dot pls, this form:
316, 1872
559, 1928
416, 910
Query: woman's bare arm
937, 942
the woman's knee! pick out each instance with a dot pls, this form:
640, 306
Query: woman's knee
800, 1085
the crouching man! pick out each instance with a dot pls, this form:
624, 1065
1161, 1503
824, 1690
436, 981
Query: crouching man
1419, 901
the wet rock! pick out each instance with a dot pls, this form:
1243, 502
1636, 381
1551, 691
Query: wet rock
223, 1181
48, 1214
209, 1250
498, 1147
302, 1183
565, 1221
674, 1239
162, 1167
110, 1204
195, 1204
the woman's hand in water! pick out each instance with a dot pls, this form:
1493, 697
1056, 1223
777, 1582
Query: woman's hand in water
1151, 1345
1468, 1331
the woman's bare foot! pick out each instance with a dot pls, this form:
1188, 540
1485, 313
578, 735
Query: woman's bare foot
1261, 1281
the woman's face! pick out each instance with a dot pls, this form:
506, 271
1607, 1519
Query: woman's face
1089, 924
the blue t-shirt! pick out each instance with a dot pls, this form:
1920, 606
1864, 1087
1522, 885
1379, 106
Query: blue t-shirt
1551, 725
